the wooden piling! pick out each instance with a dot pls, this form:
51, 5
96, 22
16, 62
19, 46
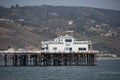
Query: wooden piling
5, 59
52, 59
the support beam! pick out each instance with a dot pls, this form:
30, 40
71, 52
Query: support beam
5, 59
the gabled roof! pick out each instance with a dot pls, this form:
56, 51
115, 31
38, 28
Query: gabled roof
66, 36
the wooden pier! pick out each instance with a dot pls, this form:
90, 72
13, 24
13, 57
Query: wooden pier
37, 58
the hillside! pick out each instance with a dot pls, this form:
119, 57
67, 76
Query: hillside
25, 27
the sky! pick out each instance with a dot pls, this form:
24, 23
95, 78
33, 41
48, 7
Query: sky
104, 4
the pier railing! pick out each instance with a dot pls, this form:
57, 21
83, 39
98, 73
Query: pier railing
31, 51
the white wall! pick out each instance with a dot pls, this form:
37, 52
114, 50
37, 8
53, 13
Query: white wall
76, 46
61, 47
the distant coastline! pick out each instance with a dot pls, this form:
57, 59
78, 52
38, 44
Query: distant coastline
108, 58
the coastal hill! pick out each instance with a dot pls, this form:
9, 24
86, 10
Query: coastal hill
25, 27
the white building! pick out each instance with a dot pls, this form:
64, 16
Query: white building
66, 44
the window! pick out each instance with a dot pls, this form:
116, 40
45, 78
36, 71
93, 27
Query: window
61, 39
54, 48
46, 48
81, 49
89, 47
68, 49
42, 48
68, 40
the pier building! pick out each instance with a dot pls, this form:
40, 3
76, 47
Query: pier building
62, 51
66, 44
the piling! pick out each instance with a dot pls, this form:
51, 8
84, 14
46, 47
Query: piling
51, 59
5, 59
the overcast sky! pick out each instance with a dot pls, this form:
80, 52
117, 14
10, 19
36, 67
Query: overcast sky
105, 4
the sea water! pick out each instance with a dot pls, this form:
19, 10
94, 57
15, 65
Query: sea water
104, 70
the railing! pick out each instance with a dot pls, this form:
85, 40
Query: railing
39, 51
82, 42
29, 51
89, 51
52, 42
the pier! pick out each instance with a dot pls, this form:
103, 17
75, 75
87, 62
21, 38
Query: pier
38, 58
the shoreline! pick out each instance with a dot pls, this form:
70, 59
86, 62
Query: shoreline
107, 58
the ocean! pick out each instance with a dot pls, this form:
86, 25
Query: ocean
104, 70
